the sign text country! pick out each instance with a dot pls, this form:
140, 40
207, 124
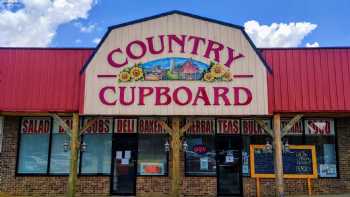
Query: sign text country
137, 49
162, 96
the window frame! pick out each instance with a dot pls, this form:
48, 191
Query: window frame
48, 173
81, 174
50, 149
186, 174
266, 135
335, 144
19, 144
166, 172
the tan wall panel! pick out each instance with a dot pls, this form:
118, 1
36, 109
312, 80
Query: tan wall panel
177, 24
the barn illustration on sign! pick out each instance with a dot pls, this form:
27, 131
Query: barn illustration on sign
175, 69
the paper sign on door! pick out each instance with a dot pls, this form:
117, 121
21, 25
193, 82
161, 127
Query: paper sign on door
204, 163
125, 161
119, 155
127, 154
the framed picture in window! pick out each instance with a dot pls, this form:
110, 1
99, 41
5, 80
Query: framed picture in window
151, 168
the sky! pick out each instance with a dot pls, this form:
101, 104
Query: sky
82, 23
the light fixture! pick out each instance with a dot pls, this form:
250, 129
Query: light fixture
268, 147
167, 146
286, 146
83, 147
184, 146
65, 146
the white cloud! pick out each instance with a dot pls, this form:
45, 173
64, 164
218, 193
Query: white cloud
36, 23
87, 28
315, 44
278, 35
96, 40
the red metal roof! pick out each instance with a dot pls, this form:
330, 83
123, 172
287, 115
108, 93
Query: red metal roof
303, 80
309, 79
40, 80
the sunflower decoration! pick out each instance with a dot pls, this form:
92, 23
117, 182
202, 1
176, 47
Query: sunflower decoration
227, 76
209, 77
136, 72
217, 70
124, 76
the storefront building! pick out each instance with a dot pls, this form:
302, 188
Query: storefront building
179, 65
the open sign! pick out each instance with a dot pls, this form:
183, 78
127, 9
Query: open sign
200, 149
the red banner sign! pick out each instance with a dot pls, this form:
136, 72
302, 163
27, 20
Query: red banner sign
250, 127
57, 128
103, 125
202, 126
151, 125
319, 127
125, 125
35, 125
228, 126
297, 129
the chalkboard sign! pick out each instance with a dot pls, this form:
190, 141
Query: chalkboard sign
298, 162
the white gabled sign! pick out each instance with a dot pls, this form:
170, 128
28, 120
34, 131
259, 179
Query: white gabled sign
175, 64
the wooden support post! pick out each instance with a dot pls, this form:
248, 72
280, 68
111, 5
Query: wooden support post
176, 134
309, 186
278, 155
258, 187
72, 180
175, 145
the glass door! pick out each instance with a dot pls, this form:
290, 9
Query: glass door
124, 164
228, 162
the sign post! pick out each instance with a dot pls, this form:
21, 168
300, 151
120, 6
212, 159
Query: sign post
278, 154
300, 160
176, 133
72, 180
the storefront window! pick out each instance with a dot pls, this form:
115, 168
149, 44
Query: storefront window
59, 161
34, 145
252, 133
320, 132
96, 159
200, 155
152, 157
97, 156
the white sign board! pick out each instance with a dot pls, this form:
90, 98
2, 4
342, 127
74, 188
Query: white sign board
175, 65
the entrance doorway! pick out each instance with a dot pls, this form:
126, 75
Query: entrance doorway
228, 165
124, 164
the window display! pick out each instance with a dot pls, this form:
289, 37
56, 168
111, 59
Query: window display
200, 155
152, 156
